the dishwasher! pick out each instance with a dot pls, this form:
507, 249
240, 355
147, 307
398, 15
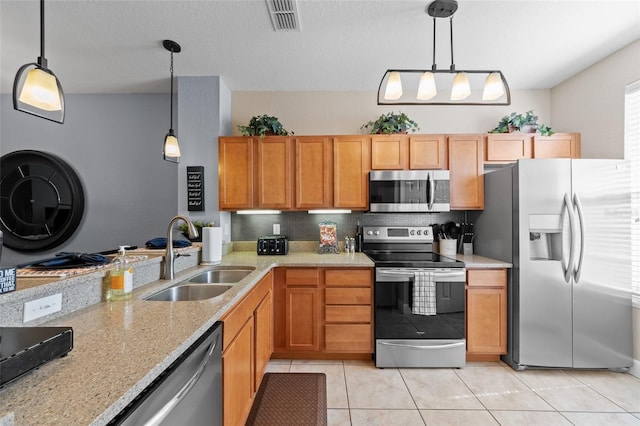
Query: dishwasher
188, 392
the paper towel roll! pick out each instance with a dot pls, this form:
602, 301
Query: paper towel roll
211, 245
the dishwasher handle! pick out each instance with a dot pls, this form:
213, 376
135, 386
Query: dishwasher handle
162, 414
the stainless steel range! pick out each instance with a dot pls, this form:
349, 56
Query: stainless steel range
419, 299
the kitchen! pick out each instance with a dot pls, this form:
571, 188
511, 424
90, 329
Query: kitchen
89, 139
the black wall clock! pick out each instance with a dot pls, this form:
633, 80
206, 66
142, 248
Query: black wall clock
41, 200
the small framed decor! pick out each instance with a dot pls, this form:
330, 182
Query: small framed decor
328, 238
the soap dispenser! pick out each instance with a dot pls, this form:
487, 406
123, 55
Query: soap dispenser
121, 276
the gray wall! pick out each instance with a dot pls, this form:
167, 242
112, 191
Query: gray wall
114, 142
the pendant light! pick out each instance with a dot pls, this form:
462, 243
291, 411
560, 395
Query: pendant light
422, 87
171, 148
36, 89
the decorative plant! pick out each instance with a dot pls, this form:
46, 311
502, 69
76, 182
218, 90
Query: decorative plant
263, 125
527, 122
183, 227
391, 123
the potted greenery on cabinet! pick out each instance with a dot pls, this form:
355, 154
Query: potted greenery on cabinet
525, 123
264, 125
391, 123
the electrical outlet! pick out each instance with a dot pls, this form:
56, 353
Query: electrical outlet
276, 228
41, 307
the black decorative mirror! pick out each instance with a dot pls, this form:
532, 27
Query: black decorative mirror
41, 200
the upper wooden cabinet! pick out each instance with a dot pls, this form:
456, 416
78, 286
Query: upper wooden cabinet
558, 145
403, 152
466, 166
351, 165
235, 172
313, 172
270, 188
275, 173
510, 147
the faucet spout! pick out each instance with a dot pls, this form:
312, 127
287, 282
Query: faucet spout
169, 255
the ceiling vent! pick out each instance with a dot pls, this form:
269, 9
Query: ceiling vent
284, 15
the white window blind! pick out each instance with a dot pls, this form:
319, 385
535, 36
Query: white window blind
632, 153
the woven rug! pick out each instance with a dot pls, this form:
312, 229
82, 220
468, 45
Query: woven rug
293, 399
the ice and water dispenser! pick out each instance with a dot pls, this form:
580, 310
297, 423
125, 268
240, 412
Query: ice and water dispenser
545, 237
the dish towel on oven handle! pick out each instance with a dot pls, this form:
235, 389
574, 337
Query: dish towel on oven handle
424, 293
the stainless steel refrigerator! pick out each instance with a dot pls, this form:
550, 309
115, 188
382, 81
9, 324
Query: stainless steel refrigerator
565, 226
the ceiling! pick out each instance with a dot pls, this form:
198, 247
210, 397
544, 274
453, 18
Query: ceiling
109, 46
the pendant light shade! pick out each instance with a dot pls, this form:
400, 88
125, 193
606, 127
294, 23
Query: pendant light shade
443, 86
171, 147
36, 89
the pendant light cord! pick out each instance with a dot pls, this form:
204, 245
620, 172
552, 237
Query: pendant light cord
171, 93
453, 67
433, 65
41, 60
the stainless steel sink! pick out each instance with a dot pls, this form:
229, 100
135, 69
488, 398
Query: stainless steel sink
187, 292
220, 276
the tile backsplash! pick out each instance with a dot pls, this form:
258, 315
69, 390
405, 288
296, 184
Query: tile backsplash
302, 226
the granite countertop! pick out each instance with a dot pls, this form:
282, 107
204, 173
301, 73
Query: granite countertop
473, 261
120, 347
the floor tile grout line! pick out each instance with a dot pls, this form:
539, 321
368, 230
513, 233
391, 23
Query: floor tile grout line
474, 395
411, 395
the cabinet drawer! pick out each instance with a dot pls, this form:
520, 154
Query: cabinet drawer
347, 296
348, 277
348, 313
487, 277
348, 337
301, 276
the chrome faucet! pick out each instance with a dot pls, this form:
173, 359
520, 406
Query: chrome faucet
169, 255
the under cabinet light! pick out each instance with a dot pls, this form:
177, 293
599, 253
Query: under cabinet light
259, 212
329, 211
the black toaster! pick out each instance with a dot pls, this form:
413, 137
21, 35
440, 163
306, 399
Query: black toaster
273, 244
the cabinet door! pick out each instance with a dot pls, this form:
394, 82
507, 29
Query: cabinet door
558, 145
275, 170
466, 164
351, 164
302, 319
313, 172
389, 152
508, 147
238, 376
487, 320
263, 323
235, 172
427, 152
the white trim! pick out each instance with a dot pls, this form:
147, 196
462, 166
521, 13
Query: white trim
635, 369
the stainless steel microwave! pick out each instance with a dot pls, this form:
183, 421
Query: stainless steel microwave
409, 191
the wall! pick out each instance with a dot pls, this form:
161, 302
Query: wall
114, 142
592, 102
321, 113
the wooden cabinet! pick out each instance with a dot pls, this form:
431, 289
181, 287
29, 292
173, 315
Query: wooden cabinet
236, 172
269, 187
247, 347
348, 312
558, 145
508, 147
313, 172
351, 165
402, 152
466, 166
322, 312
486, 320
275, 173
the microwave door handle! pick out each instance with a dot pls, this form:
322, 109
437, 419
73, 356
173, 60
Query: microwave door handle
431, 188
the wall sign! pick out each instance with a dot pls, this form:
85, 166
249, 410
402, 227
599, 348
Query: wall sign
195, 188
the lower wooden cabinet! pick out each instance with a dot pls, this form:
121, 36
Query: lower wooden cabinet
323, 311
486, 321
247, 348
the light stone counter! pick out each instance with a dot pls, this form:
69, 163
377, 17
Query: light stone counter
120, 347
474, 261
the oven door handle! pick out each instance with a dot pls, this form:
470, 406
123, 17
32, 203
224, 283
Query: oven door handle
446, 346
437, 275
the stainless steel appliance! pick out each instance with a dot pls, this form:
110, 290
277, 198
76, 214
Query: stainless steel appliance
565, 225
409, 191
273, 244
189, 392
418, 297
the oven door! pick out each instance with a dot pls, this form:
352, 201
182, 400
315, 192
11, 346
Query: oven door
405, 336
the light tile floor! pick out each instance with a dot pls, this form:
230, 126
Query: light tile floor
358, 394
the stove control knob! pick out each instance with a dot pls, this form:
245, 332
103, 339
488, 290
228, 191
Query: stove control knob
376, 232
419, 232
369, 232
412, 232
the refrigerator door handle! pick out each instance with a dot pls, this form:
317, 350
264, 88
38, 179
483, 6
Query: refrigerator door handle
572, 255
578, 205
431, 187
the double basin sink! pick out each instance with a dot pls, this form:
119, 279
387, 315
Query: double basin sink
205, 285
